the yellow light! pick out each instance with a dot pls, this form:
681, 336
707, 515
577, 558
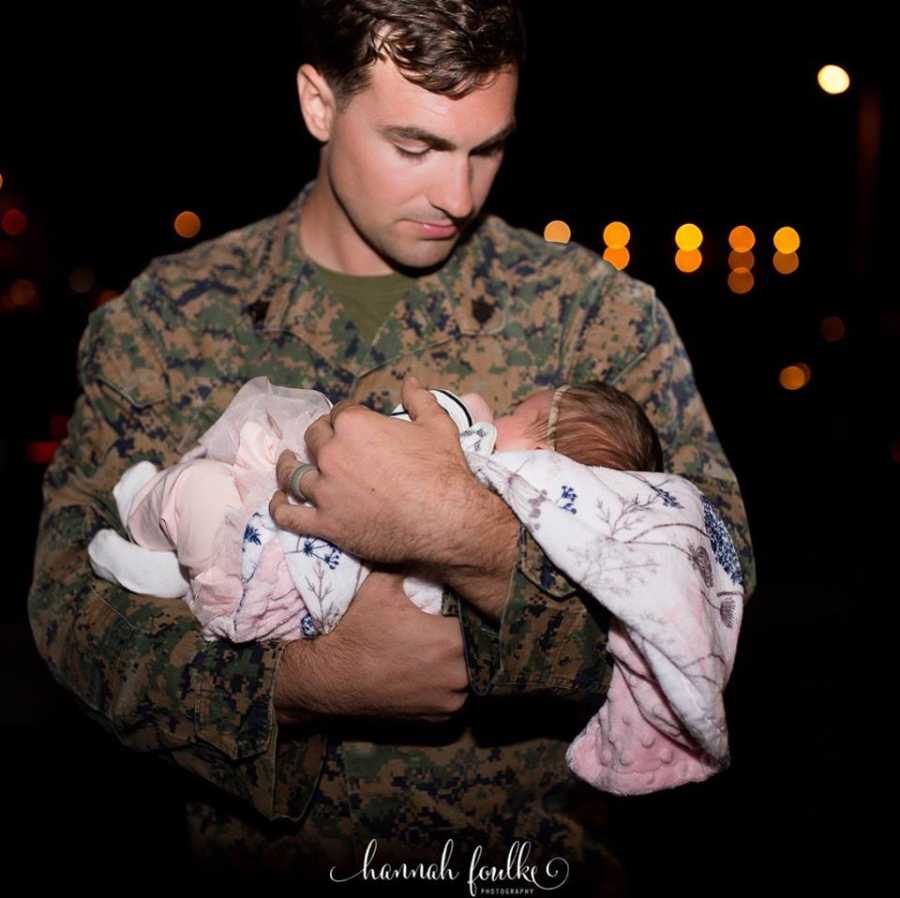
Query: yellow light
617, 256
741, 260
616, 235
688, 237
187, 224
794, 377
786, 263
740, 280
741, 239
786, 240
832, 329
833, 79
688, 260
557, 232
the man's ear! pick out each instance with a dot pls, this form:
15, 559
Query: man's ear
317, 102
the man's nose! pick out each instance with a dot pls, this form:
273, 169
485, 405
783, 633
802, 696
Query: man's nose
453, 193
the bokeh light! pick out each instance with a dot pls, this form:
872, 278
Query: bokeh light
895, 451
688, 260
104, 296
786, 240
557, 232
833, 79
81, 280
23, 293
187, 224
618, 257
1, 182
741, 260
616, 235
41, 452
59, 426
688, 237
741, 239
794, 377
832, 329
14, 222
740, 280
786, 263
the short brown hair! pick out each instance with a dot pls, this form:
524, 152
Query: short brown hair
601, 426
448, 47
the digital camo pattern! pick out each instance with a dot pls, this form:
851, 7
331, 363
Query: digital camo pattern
159, 364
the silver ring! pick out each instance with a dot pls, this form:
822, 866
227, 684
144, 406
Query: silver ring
296, 478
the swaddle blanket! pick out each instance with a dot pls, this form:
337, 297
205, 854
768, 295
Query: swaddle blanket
650, 548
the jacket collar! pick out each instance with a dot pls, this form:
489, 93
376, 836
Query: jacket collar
462, 297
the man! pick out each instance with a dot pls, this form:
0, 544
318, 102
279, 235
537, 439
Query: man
318, 748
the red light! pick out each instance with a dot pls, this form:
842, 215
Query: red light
42, 452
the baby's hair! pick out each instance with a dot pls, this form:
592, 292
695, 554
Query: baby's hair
601, 426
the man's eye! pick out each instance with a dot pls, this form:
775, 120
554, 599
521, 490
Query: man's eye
408, 155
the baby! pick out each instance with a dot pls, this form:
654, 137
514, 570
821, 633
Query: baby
208, 515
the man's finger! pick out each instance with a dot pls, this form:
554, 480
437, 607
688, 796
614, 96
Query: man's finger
317, 435
296, 518
418, 402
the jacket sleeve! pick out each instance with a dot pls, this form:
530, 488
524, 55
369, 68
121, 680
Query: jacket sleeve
551, 638
138, 664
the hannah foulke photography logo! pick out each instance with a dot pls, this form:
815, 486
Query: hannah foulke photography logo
517, 877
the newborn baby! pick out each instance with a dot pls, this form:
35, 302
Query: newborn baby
248, 579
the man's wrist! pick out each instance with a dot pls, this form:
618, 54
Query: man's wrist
484, 553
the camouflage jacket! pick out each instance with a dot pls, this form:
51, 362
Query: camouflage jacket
507, 312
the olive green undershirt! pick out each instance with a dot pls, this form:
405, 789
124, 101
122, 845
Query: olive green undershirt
367, 299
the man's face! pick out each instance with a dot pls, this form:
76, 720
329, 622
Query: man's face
382, 195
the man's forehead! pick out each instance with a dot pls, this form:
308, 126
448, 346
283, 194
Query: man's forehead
403, 110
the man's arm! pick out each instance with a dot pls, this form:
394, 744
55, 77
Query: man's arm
139, 664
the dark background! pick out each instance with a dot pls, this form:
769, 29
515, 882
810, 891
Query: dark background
113, 122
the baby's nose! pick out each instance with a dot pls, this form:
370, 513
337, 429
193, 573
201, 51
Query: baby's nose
478, 407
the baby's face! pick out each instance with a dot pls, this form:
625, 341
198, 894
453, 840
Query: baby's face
513, 429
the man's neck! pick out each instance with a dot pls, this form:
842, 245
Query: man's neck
324, 235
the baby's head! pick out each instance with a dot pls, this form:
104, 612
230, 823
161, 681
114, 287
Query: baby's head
593, 424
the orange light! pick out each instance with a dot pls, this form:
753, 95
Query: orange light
617, 256
786, 240
42, 452
740, 280
1, 182
688, 260
104, 296
616, 235
557, 232
832, 329
794, 377
741, 239
786, 263
187, 224
14, 222
741, 260
23, 293
688, 237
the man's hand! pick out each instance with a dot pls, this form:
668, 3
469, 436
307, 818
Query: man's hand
386, 659
401, 492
